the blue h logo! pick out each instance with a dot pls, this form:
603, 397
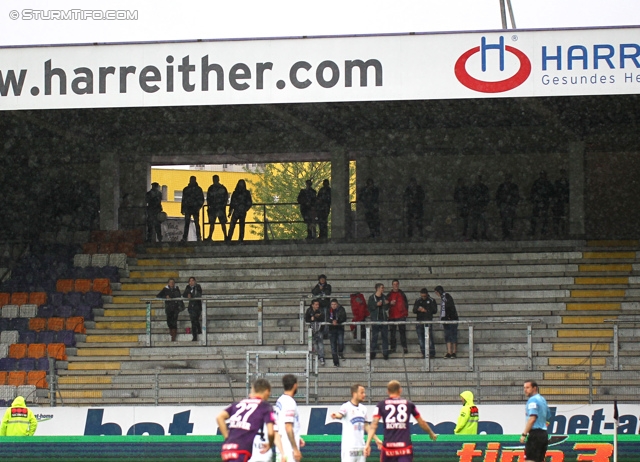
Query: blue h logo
496, 46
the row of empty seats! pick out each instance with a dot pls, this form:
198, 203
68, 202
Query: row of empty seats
23, 298
66, 318
12, 337
100, 260
19, 311
126, 248
9, 392
20, 351
34, 378
83, 286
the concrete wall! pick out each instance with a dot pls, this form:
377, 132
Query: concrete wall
438, 174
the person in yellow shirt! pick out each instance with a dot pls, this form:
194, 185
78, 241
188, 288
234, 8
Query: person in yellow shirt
18, 420
469, 416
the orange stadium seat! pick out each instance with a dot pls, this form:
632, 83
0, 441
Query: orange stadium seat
37, 350
82, 285
37, 378
55, 324
98, 235
135, 236
76, 324
17, 378
108, 247
64, 285
57, 351
19, 298
5, 298
18, 350
90, 248
127, 248
102, 285
38, 298
37, 324
3, 377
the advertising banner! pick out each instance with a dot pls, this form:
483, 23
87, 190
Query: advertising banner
502, 448
316, 420
374, 68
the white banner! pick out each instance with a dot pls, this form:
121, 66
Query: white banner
316, 420
377, 68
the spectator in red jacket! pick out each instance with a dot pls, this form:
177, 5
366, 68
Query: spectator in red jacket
398, 312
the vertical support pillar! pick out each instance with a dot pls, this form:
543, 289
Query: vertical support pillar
148, 325
248, 374
427, 356
616, 358
203, 323
576, 188
301, 319
471, 364
529, 348
368, 362
260, 305
109, 190
340, 208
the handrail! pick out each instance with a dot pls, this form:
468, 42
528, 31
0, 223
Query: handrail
616, 337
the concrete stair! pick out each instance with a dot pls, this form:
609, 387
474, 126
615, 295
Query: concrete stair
571, 286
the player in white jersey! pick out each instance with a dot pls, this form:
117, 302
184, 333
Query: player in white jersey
288, 422
355, 423
260, 442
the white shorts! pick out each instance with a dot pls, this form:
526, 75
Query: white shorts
257, 456
289, 456
353, 455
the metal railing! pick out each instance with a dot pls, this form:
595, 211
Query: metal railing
306, 355
224, 298
427, 360
635, 320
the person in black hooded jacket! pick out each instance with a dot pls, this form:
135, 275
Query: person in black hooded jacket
337, 317
172, 308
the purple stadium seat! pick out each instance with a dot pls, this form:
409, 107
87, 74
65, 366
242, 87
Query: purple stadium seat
45, 311
4, 324
84, 311
42, 364
56, 298
26, 364
93, 299
19, 324
73, 298
46, 337
67, 337
28, 337
64, 311
8, 364
111, 272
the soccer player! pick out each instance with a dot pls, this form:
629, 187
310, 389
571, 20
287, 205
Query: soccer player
535, 428
354, 425
260, 444
395, 412
246, 418
288, 422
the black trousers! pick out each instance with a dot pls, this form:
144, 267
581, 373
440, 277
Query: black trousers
172, 316
392, 333
195, 315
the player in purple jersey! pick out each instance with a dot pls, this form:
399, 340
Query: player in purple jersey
246, 418
395, 412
